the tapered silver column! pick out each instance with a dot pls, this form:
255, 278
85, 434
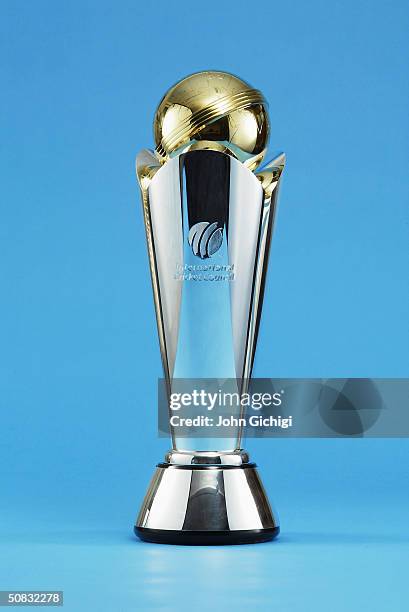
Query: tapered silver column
208, 220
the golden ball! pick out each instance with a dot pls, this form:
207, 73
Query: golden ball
213, 110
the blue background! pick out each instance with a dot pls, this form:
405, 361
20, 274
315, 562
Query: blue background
79, 356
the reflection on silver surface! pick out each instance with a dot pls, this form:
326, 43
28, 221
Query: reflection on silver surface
237, 457
209, 221
213, 498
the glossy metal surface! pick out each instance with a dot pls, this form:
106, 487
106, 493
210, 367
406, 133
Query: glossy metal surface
235, 458
216, 498
208, 300
213, 110
208, 222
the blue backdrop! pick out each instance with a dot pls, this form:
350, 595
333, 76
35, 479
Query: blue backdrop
79, 355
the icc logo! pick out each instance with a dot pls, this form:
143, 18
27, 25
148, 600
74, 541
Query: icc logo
205, 239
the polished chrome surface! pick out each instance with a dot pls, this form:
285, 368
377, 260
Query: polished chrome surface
208, 223
206, 498
235, 458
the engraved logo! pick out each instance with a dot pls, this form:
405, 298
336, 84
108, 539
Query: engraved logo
205, 239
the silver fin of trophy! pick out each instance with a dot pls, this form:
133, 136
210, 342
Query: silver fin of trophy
209, 212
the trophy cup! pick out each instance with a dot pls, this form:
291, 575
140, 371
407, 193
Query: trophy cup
208, 216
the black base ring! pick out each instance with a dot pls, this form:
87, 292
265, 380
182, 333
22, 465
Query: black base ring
206, 538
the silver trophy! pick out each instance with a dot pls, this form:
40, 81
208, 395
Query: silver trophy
208, 215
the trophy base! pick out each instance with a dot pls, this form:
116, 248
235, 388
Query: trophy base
203, 503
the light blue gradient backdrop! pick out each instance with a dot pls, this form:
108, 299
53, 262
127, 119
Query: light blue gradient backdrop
79, 355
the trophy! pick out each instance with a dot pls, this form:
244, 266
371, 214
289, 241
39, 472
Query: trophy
208, 209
